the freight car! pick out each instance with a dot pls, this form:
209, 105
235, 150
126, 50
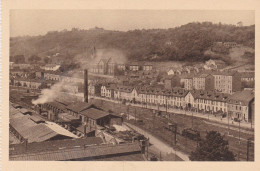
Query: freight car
191, 134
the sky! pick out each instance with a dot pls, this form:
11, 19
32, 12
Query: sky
39, 22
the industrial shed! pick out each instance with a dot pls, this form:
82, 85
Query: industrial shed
27, 128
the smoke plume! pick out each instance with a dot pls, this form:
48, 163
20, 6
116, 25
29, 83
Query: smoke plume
117, 56
49, 95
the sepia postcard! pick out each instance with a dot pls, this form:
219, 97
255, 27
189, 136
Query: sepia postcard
146, 85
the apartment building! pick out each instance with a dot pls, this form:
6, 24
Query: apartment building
227, 82
203, 82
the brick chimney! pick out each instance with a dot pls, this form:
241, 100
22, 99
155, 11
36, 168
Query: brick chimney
86, 86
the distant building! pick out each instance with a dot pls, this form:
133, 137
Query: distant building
203, 82
214, 64
227, 82
50, 67
147, 67
187, 82
134, 66
172, 81
241, 105
240, 24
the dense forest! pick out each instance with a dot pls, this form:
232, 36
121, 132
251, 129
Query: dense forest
187, 42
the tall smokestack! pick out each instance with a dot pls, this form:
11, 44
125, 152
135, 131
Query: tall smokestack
86, 85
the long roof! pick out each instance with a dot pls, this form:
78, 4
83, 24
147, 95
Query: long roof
243, 97
29, 129
79, 152
80, 106
94, 113
36, 147
209, 95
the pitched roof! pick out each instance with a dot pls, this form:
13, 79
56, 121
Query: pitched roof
34, 132
80, 106
94, 113
79, 152
209, 95
53, 145
247, 74
244, 97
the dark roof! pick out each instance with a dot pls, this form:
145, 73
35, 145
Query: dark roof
94, 113
63, 101
53, 145
209, 95
65, 117
80, 106
130, 157
57, 105
247, 74
243, 97
36, 118
77, 152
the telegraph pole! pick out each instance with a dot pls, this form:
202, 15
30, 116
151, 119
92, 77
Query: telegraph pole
239, 140
135, 115
166, 108
175, 134
192, 120
228, 123
248, 145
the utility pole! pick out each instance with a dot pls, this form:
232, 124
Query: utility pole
228, 123
128, 111
239, 141
135, 115
175, 134
166, 107
248, 145
192, 120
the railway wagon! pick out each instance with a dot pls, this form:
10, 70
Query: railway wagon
191, 134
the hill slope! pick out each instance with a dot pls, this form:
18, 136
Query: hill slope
188, 42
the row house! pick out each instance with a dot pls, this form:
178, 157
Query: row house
247, 76
227, 82
210, 101
20, 73
124, 93
52, 76
147, 67
33, 84
134, 67
107, 90
174, 72
241, 105
50, 67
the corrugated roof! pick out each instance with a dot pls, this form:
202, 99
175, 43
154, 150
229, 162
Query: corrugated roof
34, 132
59, 130
94, 113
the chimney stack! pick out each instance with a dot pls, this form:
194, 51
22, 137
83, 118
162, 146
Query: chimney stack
86, 86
